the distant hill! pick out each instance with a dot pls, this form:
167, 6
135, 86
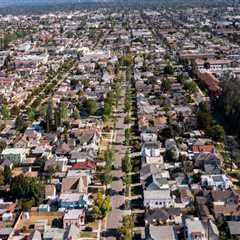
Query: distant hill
4, 3
40, 6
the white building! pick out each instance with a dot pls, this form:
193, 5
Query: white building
157, 199
220, 181
17, 155
195, 229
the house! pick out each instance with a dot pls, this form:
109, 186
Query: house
216, 181
15, 155
234, 228
5, 232
202, 208
73, 200
44, 208
60, 164
35, 235
53, 233
195, 229
163, 216
6, 163
212, 64
220, 197
203, 148
209, 163
72, 233
157, 199
82, 156
210, 82
155, 182
151, 153
75, 184
148, 137
171, 145
86, 165
160, 232
75, 217
63, 150
228, 212
185, 195
147, 170
50, 192
6, 207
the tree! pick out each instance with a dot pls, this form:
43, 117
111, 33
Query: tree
40, 163
101, 206
91, 106
29, 188
171, 155
3, 145
181, 78
5, 112
167, 132
190, 86
217, 133
206, 65
1, 179
127, 182
166, 85
15, 110
57, 118
63, 111
26, 205
74, 83
168, 69
126, 60
7, 173
31, 114
109, 156
204, 120
76, 114
126, 230
127, 136
107, 176
126, 163
85, 83
20, 123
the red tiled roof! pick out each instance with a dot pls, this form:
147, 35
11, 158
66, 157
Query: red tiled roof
203, 148
210, 81
88, 164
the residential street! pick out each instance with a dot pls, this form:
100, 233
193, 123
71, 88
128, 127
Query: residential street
117, 199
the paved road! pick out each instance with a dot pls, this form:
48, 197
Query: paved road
117, 200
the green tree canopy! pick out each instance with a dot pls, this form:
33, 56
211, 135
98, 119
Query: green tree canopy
3, 145
28, 188
217, 133
166, 85
101, 206
126, 230
91, 106
126, 163
190, 86
5, 112
7, 173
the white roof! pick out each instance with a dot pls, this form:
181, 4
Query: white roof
194, 225
73, 214
14, 151
70, 197
161, 232
157, 194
